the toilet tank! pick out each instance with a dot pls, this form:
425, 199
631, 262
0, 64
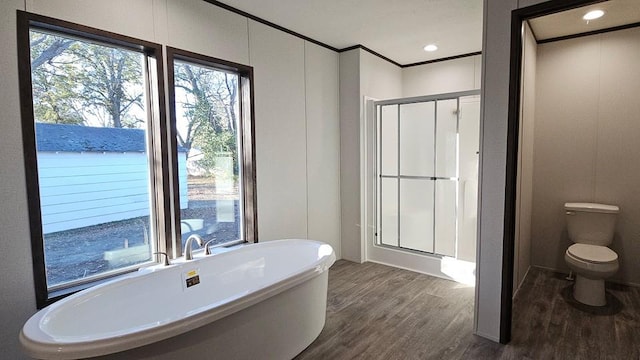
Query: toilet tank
590, 223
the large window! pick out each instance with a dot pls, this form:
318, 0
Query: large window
211, 125
111, 181
91, 126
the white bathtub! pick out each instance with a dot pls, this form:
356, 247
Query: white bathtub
260, 301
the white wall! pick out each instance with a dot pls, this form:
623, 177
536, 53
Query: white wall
323, 144
522, 246
493, 145
495, 105
442, 77
296, 117
17, 296
349, 68
362, 75
278, 61
204, 29
379, 79
586, 142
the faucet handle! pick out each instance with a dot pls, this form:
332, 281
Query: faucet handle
166, 257
207, 249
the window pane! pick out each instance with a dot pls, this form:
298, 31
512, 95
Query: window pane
389, 140
389, 211
207, 123
416, 214
445, 221
93, 165
447, 138
417, 124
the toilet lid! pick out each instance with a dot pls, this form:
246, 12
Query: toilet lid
593, 253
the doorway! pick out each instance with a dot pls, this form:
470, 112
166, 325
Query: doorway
520, 152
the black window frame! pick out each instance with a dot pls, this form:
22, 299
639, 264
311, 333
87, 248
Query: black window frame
158, 147
247, 138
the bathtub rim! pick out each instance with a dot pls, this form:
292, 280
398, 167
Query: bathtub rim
43, 346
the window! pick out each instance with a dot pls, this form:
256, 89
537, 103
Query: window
90, 112
110, 179
211, 126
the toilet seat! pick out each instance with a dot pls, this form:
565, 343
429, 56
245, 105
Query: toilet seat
594, 254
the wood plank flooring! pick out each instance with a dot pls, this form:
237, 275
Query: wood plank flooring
549, 324
380, 312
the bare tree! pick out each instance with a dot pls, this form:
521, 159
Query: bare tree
44, 48
210, 100
209, 106
84, 83
112, 81
231, 83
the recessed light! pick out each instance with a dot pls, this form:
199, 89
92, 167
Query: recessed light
593, 14
430, 47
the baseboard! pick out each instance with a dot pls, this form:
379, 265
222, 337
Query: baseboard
521, 282
435, 265
427, 270
487, 336
410, 269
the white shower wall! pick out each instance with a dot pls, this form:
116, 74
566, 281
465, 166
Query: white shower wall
452, 76
417, 159
365, 77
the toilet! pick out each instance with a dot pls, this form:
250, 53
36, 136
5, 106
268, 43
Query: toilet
591, 228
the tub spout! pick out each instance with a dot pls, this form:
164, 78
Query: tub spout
188, 255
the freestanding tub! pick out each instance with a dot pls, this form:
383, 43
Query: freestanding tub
260, 301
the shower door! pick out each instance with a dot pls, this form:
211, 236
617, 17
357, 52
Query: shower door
417, 173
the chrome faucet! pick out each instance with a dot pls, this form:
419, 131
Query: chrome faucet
187, 246
207, 248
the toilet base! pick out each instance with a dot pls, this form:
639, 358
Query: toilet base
589, 291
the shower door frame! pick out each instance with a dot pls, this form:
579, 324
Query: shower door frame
377, 238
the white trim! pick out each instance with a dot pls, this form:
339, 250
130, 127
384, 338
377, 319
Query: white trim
366, 229
425, 98
432, 265
483, 94
487, 336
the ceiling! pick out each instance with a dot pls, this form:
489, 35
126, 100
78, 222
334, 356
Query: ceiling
617, 13
398, 30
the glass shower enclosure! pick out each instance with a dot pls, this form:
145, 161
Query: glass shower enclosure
426, 173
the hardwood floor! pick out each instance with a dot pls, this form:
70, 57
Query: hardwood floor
380, 312
549, 324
